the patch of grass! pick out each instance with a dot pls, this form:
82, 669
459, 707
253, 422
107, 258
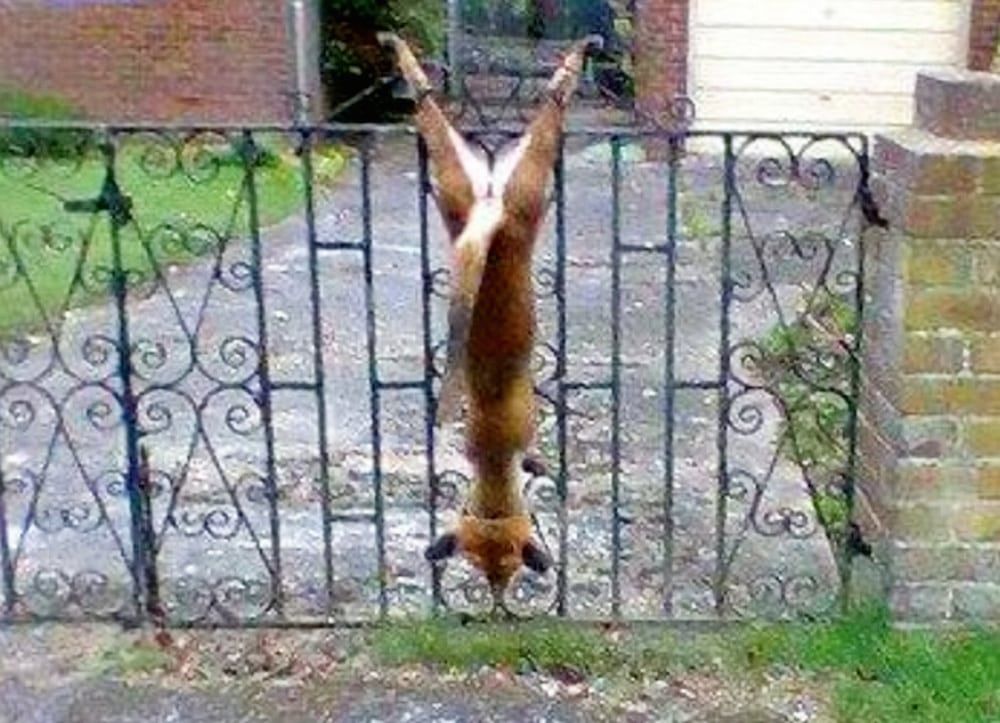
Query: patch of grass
51, 260
876, 673
137, 658
537, 646
560, 648
699, 220
881, 674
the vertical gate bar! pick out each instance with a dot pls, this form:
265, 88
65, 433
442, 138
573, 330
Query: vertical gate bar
722, 439
562, 481
375, 399
319, 364
668, 378
857, 348
6, 562
615, 375
430, 407
133, 482
263, 367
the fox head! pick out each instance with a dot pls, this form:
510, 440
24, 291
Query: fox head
496, 547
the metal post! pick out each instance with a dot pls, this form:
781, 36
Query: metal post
616, 369
669, 388
249, 151
455, 47
375, 385
319, 367
6, 562
561, 431
110, 201
722, 440
430, 410
857, 347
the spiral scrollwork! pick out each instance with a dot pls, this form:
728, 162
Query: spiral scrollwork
782, 165
255, 488
102, 415
202, 155
20, 482
17, 414
243, 419
114, 483
155, 417
15, 351
48, 591
236, 275
158, 154
99, 279
546, 283
239, 356
242, 597
177, 241
148, 355
441, 283
776, 594
783, 520
747, 363
217, 523
25, 152
451, 484
745, 413
79, 517
97, 350
195, 597
188, 597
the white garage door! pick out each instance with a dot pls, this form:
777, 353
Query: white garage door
818, 64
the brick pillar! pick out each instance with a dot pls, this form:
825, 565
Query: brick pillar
930, 411
661, 57
984, 33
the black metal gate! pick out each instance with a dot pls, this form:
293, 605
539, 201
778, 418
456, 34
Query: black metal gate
208, 416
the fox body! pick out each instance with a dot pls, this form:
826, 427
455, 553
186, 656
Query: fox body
493, 212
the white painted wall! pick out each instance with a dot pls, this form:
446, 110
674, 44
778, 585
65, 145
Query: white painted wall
817, 64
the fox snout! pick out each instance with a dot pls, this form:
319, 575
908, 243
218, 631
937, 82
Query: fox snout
498, 548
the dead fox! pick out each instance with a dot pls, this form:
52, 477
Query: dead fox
492, 213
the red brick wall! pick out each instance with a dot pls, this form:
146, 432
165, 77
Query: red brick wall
984, 29
152, 60
661, 60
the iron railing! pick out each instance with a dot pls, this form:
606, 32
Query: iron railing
264, 451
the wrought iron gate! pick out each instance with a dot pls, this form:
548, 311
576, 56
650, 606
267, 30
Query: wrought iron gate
263, 452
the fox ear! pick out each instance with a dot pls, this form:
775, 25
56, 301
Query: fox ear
535, 558
442, 548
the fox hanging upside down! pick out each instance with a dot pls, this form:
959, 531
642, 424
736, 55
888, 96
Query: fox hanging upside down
492, 212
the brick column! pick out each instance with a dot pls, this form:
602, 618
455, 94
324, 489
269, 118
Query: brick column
661, 55
984, 33
929, 485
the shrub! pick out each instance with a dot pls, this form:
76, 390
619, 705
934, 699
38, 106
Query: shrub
353, 60
815, 429
47, 143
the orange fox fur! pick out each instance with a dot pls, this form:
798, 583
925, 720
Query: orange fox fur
493, 215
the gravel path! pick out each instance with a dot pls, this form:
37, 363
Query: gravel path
219, 550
